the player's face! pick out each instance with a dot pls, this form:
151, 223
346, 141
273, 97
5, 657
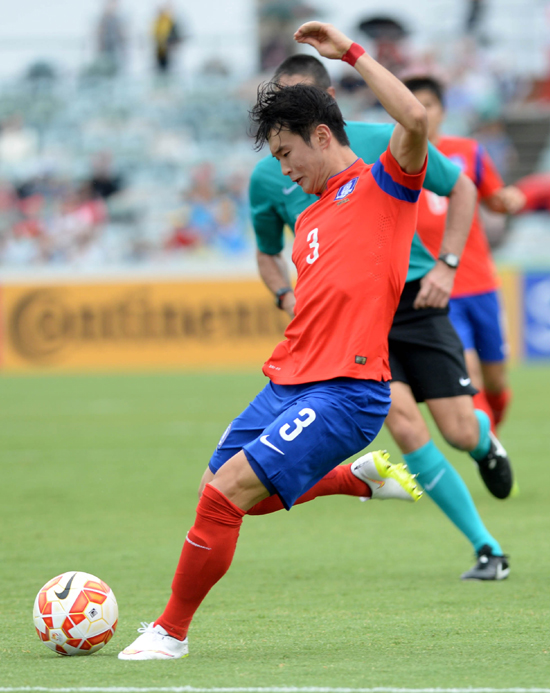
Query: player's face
434, 110
303, 163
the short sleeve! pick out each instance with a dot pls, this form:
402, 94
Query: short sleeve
395, 182
441, 174
267, 223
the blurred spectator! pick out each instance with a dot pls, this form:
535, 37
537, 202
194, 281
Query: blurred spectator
167, 35
74, 231
493, 136
278, 20
18, 143
389, 37
111, 39
212, 215
104, 182
228, 232
42, 182
474, 16
473, 90
150, 141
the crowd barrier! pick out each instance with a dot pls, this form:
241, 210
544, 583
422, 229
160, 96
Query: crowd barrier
225, 324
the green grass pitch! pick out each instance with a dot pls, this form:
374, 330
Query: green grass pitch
99, 473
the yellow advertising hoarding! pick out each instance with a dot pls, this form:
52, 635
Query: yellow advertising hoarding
512, 301
138, 325
157, 325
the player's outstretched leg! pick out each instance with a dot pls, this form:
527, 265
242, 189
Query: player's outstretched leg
385, 479
154, 643
492, 460
370, 476
488, 566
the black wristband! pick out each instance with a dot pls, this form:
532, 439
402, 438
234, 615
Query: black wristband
280, 294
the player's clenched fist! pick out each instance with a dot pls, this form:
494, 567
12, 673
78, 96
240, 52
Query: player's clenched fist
326, 39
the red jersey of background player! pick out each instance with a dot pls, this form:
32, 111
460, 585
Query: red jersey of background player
351, 251
476, 273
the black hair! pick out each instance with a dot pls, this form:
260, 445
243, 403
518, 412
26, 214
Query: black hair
426, 83
306, 66
299, 109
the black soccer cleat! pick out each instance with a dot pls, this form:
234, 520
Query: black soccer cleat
488, 566
496, 470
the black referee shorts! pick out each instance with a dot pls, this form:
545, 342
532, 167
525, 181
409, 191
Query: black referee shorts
425, 350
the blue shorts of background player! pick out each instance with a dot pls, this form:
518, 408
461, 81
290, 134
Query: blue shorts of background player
293, 435
478, 321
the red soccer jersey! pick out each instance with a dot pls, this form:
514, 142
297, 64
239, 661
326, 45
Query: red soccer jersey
351, 251
476, 273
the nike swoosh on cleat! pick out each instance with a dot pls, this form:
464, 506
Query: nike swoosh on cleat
501, 572
65, 593
265, 441
287, 191
375, 481
434, 481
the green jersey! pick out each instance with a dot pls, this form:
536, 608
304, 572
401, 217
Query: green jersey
275, 200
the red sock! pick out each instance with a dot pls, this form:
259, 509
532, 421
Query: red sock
340, 481
206, 556
480, 402
498, 401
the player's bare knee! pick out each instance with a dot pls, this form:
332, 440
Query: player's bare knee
404, 432
463, 433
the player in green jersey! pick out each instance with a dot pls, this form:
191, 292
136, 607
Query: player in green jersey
426, 356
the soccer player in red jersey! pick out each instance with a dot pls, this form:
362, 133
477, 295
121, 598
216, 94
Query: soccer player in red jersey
426, 355
328, 392
474, 306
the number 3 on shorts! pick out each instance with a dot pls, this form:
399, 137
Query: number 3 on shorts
310, 417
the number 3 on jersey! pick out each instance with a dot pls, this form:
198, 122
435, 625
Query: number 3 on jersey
287, 433
313, 241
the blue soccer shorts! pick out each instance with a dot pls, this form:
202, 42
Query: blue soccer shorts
292, 435
478, 321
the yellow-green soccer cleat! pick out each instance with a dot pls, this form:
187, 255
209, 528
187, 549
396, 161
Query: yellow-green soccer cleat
386, 480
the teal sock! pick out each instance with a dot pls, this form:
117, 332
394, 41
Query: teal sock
484, 442
446, 488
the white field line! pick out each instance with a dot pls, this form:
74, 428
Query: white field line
266, 689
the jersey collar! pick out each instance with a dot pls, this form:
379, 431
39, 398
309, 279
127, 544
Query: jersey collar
339, 179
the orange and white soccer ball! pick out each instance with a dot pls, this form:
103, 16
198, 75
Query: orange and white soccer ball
75, 614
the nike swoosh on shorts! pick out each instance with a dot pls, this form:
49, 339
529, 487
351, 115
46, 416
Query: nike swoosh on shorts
265, 441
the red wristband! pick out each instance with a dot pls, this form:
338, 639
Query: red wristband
352, 55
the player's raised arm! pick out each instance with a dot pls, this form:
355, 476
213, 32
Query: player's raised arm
409, 142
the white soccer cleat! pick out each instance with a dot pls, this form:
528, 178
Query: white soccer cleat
386, 480
154, 643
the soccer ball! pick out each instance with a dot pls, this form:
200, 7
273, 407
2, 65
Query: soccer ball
75, 614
